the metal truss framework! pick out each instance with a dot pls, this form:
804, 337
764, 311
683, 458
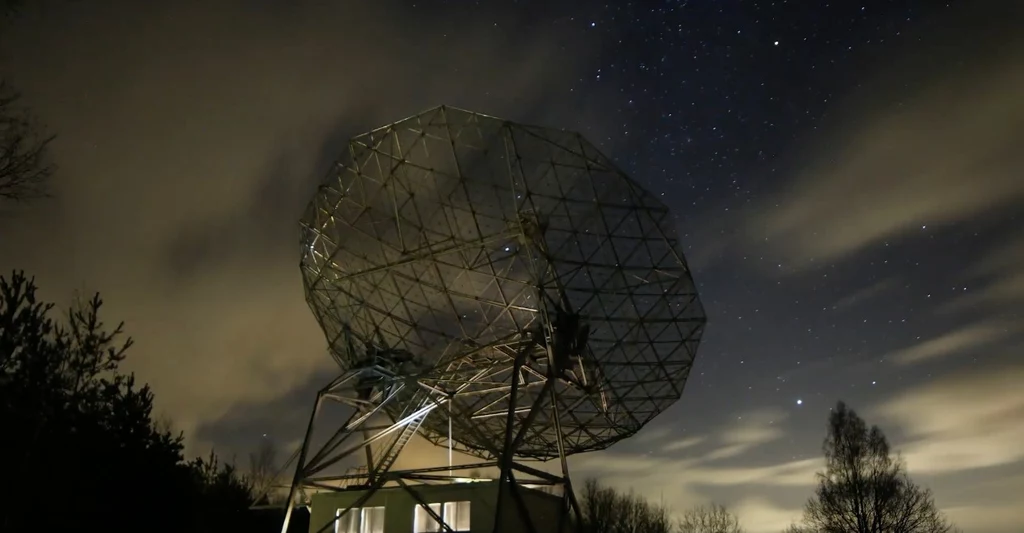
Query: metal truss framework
514, 271
369, 391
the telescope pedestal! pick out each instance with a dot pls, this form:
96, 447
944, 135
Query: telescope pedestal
371, 390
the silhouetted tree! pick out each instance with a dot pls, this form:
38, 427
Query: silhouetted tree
709, 519
80, 448
24, 164
224, 495
263, 472
9, 8
863, 488
606, 510
79, 445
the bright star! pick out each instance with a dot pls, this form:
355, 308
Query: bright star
799, 402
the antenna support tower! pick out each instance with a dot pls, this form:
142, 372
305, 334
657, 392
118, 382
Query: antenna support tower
500, 289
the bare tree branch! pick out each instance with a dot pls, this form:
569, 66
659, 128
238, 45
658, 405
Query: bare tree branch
709, 519
24, 163
864, 489
263, 471
10, 8
606, 510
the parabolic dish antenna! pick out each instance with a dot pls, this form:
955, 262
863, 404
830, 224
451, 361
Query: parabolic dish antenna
464, 252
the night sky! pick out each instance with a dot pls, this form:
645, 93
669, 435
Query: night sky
848, 178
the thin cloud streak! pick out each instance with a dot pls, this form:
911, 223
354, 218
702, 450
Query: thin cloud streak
750, 431
948, 429
961, 422
757, 428
865, 294
762, 516
985, 518
684, 444
945, 154
687, 470
998, 278
972, 337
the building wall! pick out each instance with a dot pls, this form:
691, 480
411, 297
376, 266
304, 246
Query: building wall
545, 510
400, 507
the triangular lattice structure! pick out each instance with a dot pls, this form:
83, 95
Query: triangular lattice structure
498, 288
457, 237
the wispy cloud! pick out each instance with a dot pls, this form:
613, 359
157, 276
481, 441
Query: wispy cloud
697, 461
798, 473
865, 293
688, 482
971, 337
943, 154
682, 444
754, 429
947, 428
986, 518
997, 277
961, 422
763, 516
688, 469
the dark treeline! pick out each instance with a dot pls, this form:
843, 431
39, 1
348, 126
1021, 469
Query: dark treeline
606, 510
80, 447
25, 166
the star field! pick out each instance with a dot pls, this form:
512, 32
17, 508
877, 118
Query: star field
845, 178
710, 97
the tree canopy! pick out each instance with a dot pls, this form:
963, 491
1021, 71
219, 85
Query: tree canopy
25, 166
712, 518
81, 448
864, 489
24, 162
606, 510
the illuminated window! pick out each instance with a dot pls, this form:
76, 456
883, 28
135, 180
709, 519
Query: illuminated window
365, 520
423, 522
349, 523
455, 514
372, 520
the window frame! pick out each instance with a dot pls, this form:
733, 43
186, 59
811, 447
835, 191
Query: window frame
458, 507
442, 509
429, 520
355, 520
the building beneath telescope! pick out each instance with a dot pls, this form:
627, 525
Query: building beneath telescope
466, 507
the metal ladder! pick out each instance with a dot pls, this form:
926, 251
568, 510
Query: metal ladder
353, 481
396, 447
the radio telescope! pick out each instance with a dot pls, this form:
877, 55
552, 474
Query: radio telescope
500, 289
